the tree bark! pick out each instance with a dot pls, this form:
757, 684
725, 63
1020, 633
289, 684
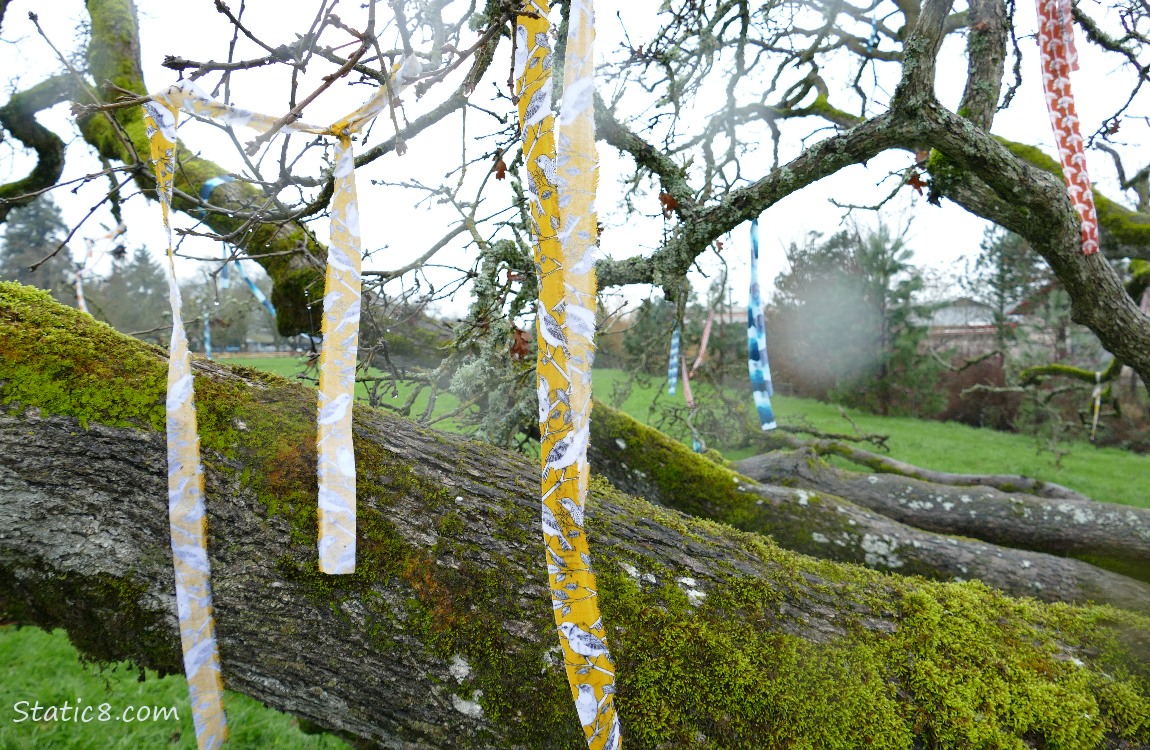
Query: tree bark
443, 637
1114, 536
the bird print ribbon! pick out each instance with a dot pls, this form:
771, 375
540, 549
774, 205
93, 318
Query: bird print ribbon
673, 363
757, 362
336, 458
1059, 57
565, 252
341, 302
187, 516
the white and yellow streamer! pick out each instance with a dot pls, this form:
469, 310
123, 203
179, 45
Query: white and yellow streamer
187, 515
336, 456
561, 194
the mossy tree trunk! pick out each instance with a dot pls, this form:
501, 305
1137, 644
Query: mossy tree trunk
444, 639
828, 523
1115, 536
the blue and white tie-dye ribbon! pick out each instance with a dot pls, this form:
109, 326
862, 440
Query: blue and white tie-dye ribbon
757, 341
673, 363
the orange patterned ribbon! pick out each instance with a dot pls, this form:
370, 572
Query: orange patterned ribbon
1059, 57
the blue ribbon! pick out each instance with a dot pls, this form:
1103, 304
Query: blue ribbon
673, 363
208, 188
207, 335
259, 295
757, 363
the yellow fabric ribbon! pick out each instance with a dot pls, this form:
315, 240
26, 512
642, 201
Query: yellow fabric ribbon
187, 515
565, 251
336, 456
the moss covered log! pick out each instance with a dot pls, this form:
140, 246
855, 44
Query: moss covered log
444, 638
1116, 537
644, 462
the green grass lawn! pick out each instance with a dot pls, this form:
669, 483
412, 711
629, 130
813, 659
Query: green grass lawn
43, 667
38, 666
1106, 474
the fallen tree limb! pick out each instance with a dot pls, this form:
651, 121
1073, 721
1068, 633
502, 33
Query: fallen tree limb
444, 638
885, 465
643, 462
1114, 536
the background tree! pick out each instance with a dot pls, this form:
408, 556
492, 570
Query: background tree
34, 233
133, 298
847, 324
1006, 273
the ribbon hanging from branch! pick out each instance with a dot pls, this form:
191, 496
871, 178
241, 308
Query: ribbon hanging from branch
673, 362
90, 260
187, 516
757, 362
565, 253
336, 458
255, 290
1059, 57
703, 343
1096, 396
697, 443
207, 336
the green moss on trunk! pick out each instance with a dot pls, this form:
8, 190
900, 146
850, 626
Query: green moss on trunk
779, 650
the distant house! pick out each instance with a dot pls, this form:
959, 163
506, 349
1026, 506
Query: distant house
964, 325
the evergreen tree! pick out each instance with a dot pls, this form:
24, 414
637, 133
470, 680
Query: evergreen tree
31, 233
133, 298
845, 324
1006, 273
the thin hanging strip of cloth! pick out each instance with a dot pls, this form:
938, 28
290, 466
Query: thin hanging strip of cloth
186, 513
207, 336
757, 362
255, 290
341, 303
673, 362
565, 253
703, 344
186, 510
697, 443
1059, 57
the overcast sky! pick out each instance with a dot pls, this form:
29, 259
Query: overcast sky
400, 230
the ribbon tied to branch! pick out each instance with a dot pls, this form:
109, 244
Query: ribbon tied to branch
336, 457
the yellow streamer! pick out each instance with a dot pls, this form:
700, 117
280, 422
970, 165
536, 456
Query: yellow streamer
564, 258
187, 515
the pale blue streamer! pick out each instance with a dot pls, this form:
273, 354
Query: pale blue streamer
757, 363
207, 336
673, 363
208, 188
259, 295
225, 282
